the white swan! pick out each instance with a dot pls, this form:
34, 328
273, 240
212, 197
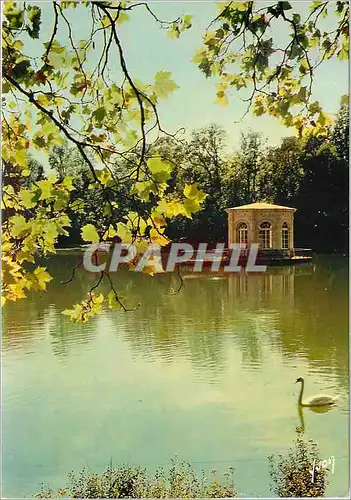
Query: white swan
322, 400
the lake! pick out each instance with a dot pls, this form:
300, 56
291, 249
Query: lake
207, 374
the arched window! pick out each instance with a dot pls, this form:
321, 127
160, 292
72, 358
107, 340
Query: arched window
265, 235
242, 233
285, 236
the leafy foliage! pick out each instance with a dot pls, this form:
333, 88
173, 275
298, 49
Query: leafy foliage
62, 102
291, 474
133, 482
240, 49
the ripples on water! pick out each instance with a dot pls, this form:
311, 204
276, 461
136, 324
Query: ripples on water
207, 374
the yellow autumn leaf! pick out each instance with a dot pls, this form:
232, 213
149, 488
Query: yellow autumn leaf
90, 234
17, 291
192, 192
42, 277
20, 158
26, 198
75, 314
156, 237
18, 225
124, 233
222, 99
112, 301
98, 299
110, 233
191, 206
46, 189
164, 85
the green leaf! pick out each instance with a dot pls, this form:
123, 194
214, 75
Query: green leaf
283, 107
18, 225
100, 113
315, 4
67, 183
61, 200
161, 169
26, 197
186, 22
163, 84
78, 205
344, 100
104, 176
5, 88
296, 18
303, 94
173, 32
45, 188
239, 6
34, 16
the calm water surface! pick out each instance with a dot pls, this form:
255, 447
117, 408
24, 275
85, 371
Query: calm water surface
207, 375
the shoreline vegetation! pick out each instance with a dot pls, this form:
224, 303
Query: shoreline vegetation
291, 476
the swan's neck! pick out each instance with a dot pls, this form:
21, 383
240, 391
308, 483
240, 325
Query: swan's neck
301, 392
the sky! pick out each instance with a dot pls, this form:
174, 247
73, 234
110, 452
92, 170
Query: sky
147, 50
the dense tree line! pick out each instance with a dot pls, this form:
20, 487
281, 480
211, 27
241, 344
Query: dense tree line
310, 174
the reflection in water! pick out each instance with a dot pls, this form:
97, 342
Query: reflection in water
314, 409
299, 310
320, 409
302, 421
207, 373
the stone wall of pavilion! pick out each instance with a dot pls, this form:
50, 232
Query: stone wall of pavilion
254, 217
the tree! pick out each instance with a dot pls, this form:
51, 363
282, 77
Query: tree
322, 197
67, 161
281, 173
60, 95
241, 50
36, 173
341, 173
250, 162
341, 134
201, 160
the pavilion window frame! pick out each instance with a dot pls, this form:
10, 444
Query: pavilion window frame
265, 235
285, 234
242, 231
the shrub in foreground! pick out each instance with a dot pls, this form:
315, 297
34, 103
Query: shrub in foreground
134, 482
292, 475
